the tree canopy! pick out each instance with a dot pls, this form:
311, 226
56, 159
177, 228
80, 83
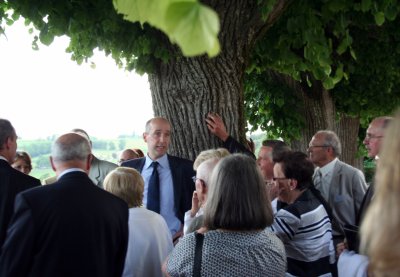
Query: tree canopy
348, 47
347, 50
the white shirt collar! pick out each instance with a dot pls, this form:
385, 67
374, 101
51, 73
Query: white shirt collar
326, 169
162, 161
68, 171
3, 158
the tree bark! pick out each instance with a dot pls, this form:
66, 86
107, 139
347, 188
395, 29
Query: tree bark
319, 113
347, 129
185, 89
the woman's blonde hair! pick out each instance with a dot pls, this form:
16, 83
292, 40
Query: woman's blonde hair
380, 230
127, 184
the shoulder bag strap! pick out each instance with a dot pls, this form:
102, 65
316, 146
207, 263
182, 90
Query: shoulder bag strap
197, 255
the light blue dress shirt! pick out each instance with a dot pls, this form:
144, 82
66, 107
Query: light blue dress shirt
167, 205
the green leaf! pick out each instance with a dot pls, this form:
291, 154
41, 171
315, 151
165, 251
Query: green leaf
15, 16
327, 69
151, 11
391, 13
339, 74
379, 18
308, 81
194, 27
267, 8
328, 83
353, 54
342, 46
318, 73
34, 43
27, 22
365, 5
45, 36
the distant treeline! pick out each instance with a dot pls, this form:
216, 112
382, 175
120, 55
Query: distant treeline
107, 149
40, 147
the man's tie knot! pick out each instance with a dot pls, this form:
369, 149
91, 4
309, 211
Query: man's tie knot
154, 165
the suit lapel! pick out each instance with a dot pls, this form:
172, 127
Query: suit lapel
141, 164
94, 172
176, 180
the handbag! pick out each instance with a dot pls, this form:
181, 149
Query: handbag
198, 254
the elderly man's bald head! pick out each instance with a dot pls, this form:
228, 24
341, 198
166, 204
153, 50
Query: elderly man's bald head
70, 151
127, 154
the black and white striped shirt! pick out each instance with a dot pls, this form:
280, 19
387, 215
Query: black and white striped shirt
306, 232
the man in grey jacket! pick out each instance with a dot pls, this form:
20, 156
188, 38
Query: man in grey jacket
342, 185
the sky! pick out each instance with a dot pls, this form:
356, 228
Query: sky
44, 92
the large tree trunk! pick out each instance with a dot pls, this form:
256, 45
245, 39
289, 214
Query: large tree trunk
319, 113
186, 89
347, 129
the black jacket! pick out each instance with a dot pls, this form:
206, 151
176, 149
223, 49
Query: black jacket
69, 228
12, 182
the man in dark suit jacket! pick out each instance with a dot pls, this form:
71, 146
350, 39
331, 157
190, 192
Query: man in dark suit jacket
70, 228
11, 181
175, 174
372, 141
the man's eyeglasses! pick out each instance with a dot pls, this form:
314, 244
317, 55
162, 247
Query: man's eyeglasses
279, 179
194, 178
315, 146
369, 137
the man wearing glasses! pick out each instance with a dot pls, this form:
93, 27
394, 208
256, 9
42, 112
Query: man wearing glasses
342, 185
350, 263
374, 136
372, 142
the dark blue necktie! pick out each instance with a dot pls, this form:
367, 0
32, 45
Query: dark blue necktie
153, 193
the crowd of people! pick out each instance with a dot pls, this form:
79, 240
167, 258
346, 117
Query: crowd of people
228, 213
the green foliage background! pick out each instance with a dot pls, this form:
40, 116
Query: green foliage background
351, 48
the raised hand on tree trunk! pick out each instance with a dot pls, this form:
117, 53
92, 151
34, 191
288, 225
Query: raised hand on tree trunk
217, 126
